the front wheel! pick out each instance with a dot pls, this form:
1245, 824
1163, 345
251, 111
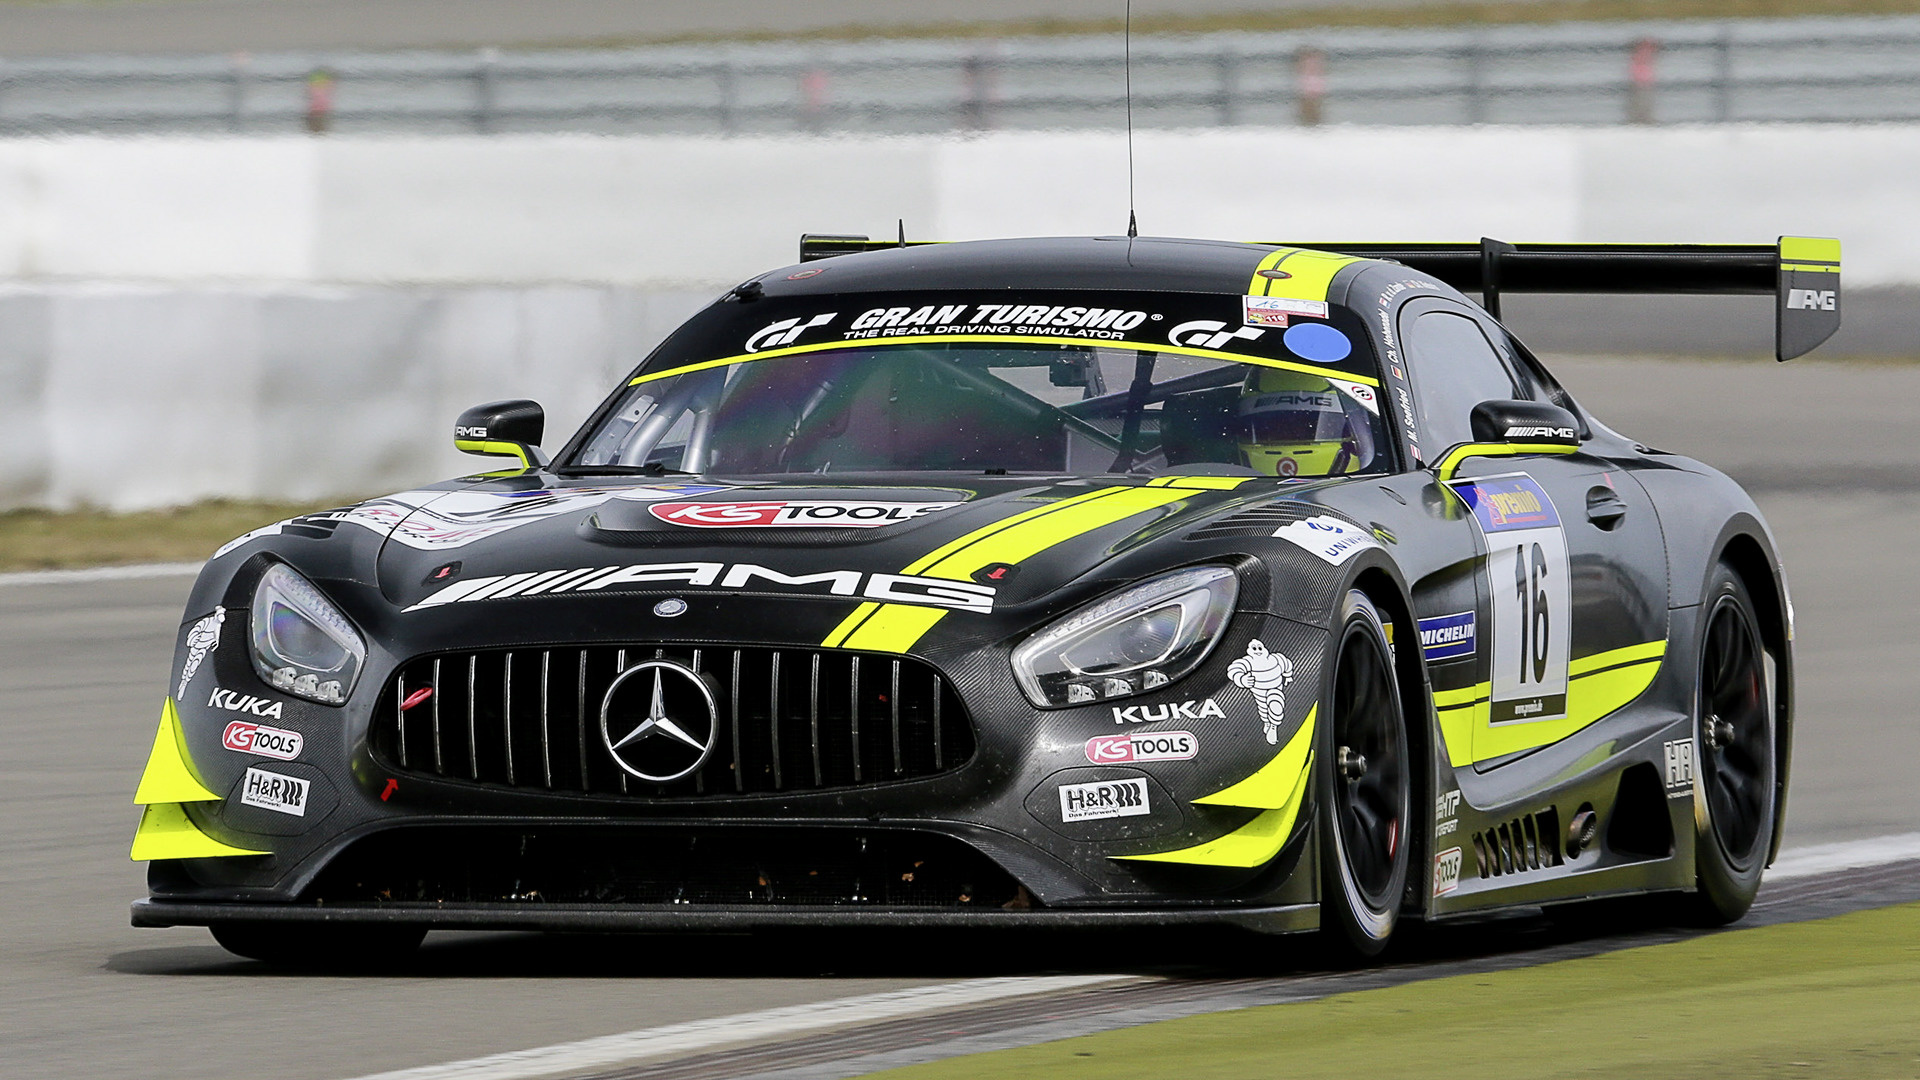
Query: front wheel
1735, 760
1365, 780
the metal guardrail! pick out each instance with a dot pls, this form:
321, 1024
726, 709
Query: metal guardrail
1786, 70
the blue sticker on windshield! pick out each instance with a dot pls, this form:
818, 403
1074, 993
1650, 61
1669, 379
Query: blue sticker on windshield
1318, 342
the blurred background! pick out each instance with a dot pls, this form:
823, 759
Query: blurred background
266, 249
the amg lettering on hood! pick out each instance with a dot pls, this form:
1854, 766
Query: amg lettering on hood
785, 514
744, 577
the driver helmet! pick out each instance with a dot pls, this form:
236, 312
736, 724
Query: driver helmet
1292, 424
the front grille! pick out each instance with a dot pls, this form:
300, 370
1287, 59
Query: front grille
586, 864
789, 720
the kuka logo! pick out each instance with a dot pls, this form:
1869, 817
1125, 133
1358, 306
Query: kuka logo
246, 703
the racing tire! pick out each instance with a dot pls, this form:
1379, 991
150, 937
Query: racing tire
1365, 781
309, 946
1735, 756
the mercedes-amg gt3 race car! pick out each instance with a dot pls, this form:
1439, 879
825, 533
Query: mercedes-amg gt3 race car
1050, 582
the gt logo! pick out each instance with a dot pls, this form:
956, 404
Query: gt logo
1209, 334
785, 332
1446, 871
1812, 299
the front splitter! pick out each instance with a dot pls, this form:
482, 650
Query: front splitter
587, 918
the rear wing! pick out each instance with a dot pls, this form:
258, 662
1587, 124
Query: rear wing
1802, 273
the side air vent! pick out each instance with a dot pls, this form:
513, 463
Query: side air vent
1256, 521
1528, 842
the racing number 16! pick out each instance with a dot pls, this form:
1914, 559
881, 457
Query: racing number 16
1535, 618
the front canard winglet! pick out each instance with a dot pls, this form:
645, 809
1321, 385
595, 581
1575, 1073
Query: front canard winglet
169, 777
166, 832
1278, 790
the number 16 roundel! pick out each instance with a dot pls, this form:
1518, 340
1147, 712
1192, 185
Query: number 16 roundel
1528, 572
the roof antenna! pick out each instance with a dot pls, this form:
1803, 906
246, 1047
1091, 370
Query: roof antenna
903, 227
1133, 222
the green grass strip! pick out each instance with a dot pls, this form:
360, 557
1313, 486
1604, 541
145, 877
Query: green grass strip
45, 540
1830, 998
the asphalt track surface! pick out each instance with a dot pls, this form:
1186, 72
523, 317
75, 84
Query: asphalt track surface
1826, 448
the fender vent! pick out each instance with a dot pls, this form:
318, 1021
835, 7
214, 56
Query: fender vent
1256, 521
1528, 842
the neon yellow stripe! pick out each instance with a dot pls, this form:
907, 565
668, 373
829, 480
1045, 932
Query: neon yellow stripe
493, 449
1281, 784
1008, 339
166, 832
1597, 686
861, 614
1452, 461
1652, 650
1821, 268
169, 776
1212, 483
1312, 273
896, 627
1809, 249
1273, 785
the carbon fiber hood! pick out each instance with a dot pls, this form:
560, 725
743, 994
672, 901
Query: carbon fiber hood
786, 561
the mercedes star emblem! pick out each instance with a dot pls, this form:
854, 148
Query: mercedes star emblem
676, 731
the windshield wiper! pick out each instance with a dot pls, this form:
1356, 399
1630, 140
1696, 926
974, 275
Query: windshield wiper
651, 468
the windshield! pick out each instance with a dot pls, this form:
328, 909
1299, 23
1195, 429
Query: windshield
1053, 383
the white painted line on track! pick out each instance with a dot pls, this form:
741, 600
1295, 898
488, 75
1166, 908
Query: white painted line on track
101, 573
1847, 855
696, 1036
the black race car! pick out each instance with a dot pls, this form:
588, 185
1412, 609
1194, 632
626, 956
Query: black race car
1013, 583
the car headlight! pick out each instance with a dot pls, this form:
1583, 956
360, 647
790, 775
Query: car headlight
302, 644
1137, 640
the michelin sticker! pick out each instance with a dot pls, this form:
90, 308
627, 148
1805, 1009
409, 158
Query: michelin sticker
1447, 637
1108, 799
1328, 537
201, 640
1266, 673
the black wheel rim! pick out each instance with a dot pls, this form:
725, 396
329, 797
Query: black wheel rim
1736, 733
1370, 796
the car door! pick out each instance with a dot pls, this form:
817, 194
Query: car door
1567, 588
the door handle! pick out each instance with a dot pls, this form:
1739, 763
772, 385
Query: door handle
1605, 508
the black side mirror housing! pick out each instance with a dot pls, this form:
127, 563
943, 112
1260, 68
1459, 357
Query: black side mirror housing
503, 429
1511, 428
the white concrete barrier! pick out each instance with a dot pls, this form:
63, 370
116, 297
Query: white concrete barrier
184, 318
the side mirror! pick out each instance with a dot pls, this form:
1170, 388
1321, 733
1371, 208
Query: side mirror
503, 429
1512, 429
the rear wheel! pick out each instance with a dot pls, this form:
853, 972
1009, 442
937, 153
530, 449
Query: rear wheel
336, 947
1735, 760
1366, 781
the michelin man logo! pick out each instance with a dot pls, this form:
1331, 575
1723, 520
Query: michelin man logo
1266, 674
201, 640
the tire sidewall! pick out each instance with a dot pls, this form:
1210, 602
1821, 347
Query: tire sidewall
1345, 916
1727, 891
